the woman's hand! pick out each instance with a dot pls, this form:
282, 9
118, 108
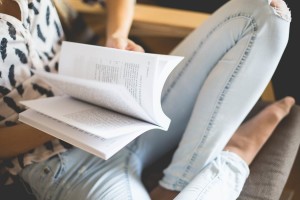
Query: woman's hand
123, 43
119, 19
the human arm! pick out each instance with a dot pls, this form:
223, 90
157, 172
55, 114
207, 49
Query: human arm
19, 139
10, 8
119, 20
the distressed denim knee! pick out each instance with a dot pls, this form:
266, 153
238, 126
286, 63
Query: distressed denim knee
281, 9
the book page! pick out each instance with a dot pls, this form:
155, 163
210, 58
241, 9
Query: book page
134, 70
142, 74
87, 117
166, 64
103, 148
111, 96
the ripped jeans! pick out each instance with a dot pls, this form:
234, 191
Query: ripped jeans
229, 61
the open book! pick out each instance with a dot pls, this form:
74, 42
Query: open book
108, 97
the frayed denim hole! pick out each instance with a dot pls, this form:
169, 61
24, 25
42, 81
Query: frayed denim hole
282, 11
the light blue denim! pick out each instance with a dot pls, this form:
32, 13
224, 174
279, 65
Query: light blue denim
229, 61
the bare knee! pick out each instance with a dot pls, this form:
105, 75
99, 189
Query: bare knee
281, 9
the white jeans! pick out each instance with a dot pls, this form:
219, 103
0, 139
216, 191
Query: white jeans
228, 62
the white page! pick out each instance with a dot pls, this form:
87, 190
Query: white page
98, 146
166, 64
134, 70
87, 117
107, 95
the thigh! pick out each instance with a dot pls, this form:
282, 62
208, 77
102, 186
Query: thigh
77, 174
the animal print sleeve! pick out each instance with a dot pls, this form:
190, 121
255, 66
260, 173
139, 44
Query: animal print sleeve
14, 57
33, 43
16, 79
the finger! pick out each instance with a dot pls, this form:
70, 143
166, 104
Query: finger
132, 46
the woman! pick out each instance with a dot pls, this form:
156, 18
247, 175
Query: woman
207, 97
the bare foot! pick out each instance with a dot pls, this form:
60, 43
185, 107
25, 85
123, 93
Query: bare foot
253, 134
160, 193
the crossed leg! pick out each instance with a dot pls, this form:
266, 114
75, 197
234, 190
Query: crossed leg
248, 139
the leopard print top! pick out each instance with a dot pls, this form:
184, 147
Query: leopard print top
34, 42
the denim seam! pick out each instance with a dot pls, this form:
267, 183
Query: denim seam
182, 71
195, 52
58, 175
224, 90
129, 196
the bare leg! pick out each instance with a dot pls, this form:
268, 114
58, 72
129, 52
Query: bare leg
252, 135
247, 140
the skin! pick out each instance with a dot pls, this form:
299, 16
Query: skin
119, 20
11, 8
12, 140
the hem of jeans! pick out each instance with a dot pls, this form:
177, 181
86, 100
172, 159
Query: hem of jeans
241, 164
236, 158
170, 186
